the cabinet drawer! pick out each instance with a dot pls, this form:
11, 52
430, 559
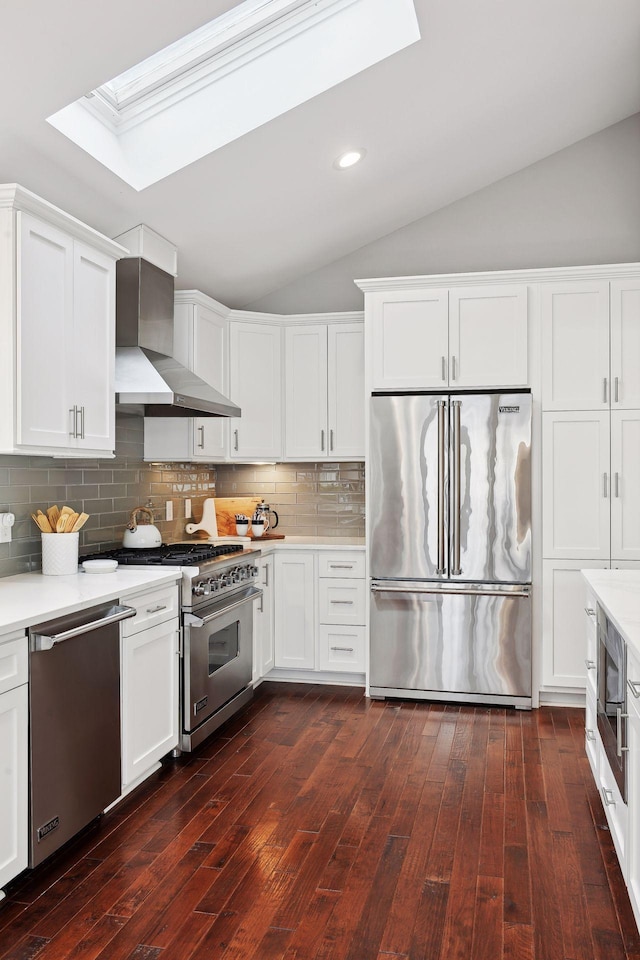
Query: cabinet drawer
341, 601
345, 564
342, 648
615, 809
154, 606
14, 670
591, 737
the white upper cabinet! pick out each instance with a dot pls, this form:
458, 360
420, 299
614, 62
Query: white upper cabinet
57, 330
200, 343
66, 344
440, 339
345, 390
625, 344
488, 336
306, 433
575, 329
255, 384
324, 403
410, 339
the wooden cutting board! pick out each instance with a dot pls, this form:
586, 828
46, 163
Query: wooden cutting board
226, 509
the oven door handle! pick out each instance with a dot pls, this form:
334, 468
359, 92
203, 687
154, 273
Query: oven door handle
190, 619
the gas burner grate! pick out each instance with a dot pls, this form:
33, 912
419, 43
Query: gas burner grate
171, 555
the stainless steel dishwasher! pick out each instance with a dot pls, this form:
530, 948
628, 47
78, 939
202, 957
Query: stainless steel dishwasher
74, 723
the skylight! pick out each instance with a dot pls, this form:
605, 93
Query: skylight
248, 66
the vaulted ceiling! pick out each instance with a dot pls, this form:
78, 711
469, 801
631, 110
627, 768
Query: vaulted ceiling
489, 89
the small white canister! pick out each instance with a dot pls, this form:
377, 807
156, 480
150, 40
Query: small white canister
60, 553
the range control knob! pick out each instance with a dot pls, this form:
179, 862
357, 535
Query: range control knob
198, 590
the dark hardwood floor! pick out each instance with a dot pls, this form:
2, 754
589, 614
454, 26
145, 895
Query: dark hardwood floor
320, 825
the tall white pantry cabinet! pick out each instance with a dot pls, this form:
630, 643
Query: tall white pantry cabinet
591, 453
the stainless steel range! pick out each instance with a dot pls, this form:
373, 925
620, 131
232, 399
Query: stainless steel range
218, 594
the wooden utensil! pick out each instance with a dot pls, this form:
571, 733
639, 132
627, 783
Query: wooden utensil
80, 522
42, 522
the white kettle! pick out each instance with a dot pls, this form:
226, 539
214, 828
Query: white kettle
141, 536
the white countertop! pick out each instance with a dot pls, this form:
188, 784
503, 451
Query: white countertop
30, 598
618, 592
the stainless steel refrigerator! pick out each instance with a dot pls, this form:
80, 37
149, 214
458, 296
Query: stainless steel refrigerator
450, 547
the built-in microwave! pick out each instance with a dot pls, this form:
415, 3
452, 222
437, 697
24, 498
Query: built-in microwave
612, 698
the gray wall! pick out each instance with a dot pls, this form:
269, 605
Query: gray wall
578, 206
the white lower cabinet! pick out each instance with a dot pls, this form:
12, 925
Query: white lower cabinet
263, 653
14, 756
320, 611
295, 621
149, 683
564, 648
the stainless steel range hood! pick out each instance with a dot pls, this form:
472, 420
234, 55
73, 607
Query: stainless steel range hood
148, 379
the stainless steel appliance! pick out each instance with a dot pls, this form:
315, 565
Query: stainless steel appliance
148, 380
218, 592
612, 698
450, 557
74, 723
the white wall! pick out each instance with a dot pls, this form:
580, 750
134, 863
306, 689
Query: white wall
578, 206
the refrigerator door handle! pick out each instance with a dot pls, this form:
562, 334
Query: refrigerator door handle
441, 486
455, 506
460, 591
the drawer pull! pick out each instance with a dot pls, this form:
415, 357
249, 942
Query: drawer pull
607, 797
343, 649
590, 664
590, 735
341, 566
161, 606
349, 603
634, 686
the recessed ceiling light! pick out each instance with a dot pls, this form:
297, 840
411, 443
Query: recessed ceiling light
349, 158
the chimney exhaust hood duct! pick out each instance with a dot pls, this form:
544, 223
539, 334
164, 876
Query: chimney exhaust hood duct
148, 379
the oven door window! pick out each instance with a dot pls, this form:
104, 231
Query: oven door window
224, 646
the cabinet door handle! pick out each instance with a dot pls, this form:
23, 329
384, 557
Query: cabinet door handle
343, 649
590, 664
604, 394
453, 367
605, 485
444, 369
331, 440
201, 443
160, 606
607, 797
590, 735
617, 483
590, 612
634, 686
73, 413
266, 575
82, 423
235, 434
616, 390
322, 439
261, 603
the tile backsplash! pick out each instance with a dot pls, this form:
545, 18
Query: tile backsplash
313, 499
107, 490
